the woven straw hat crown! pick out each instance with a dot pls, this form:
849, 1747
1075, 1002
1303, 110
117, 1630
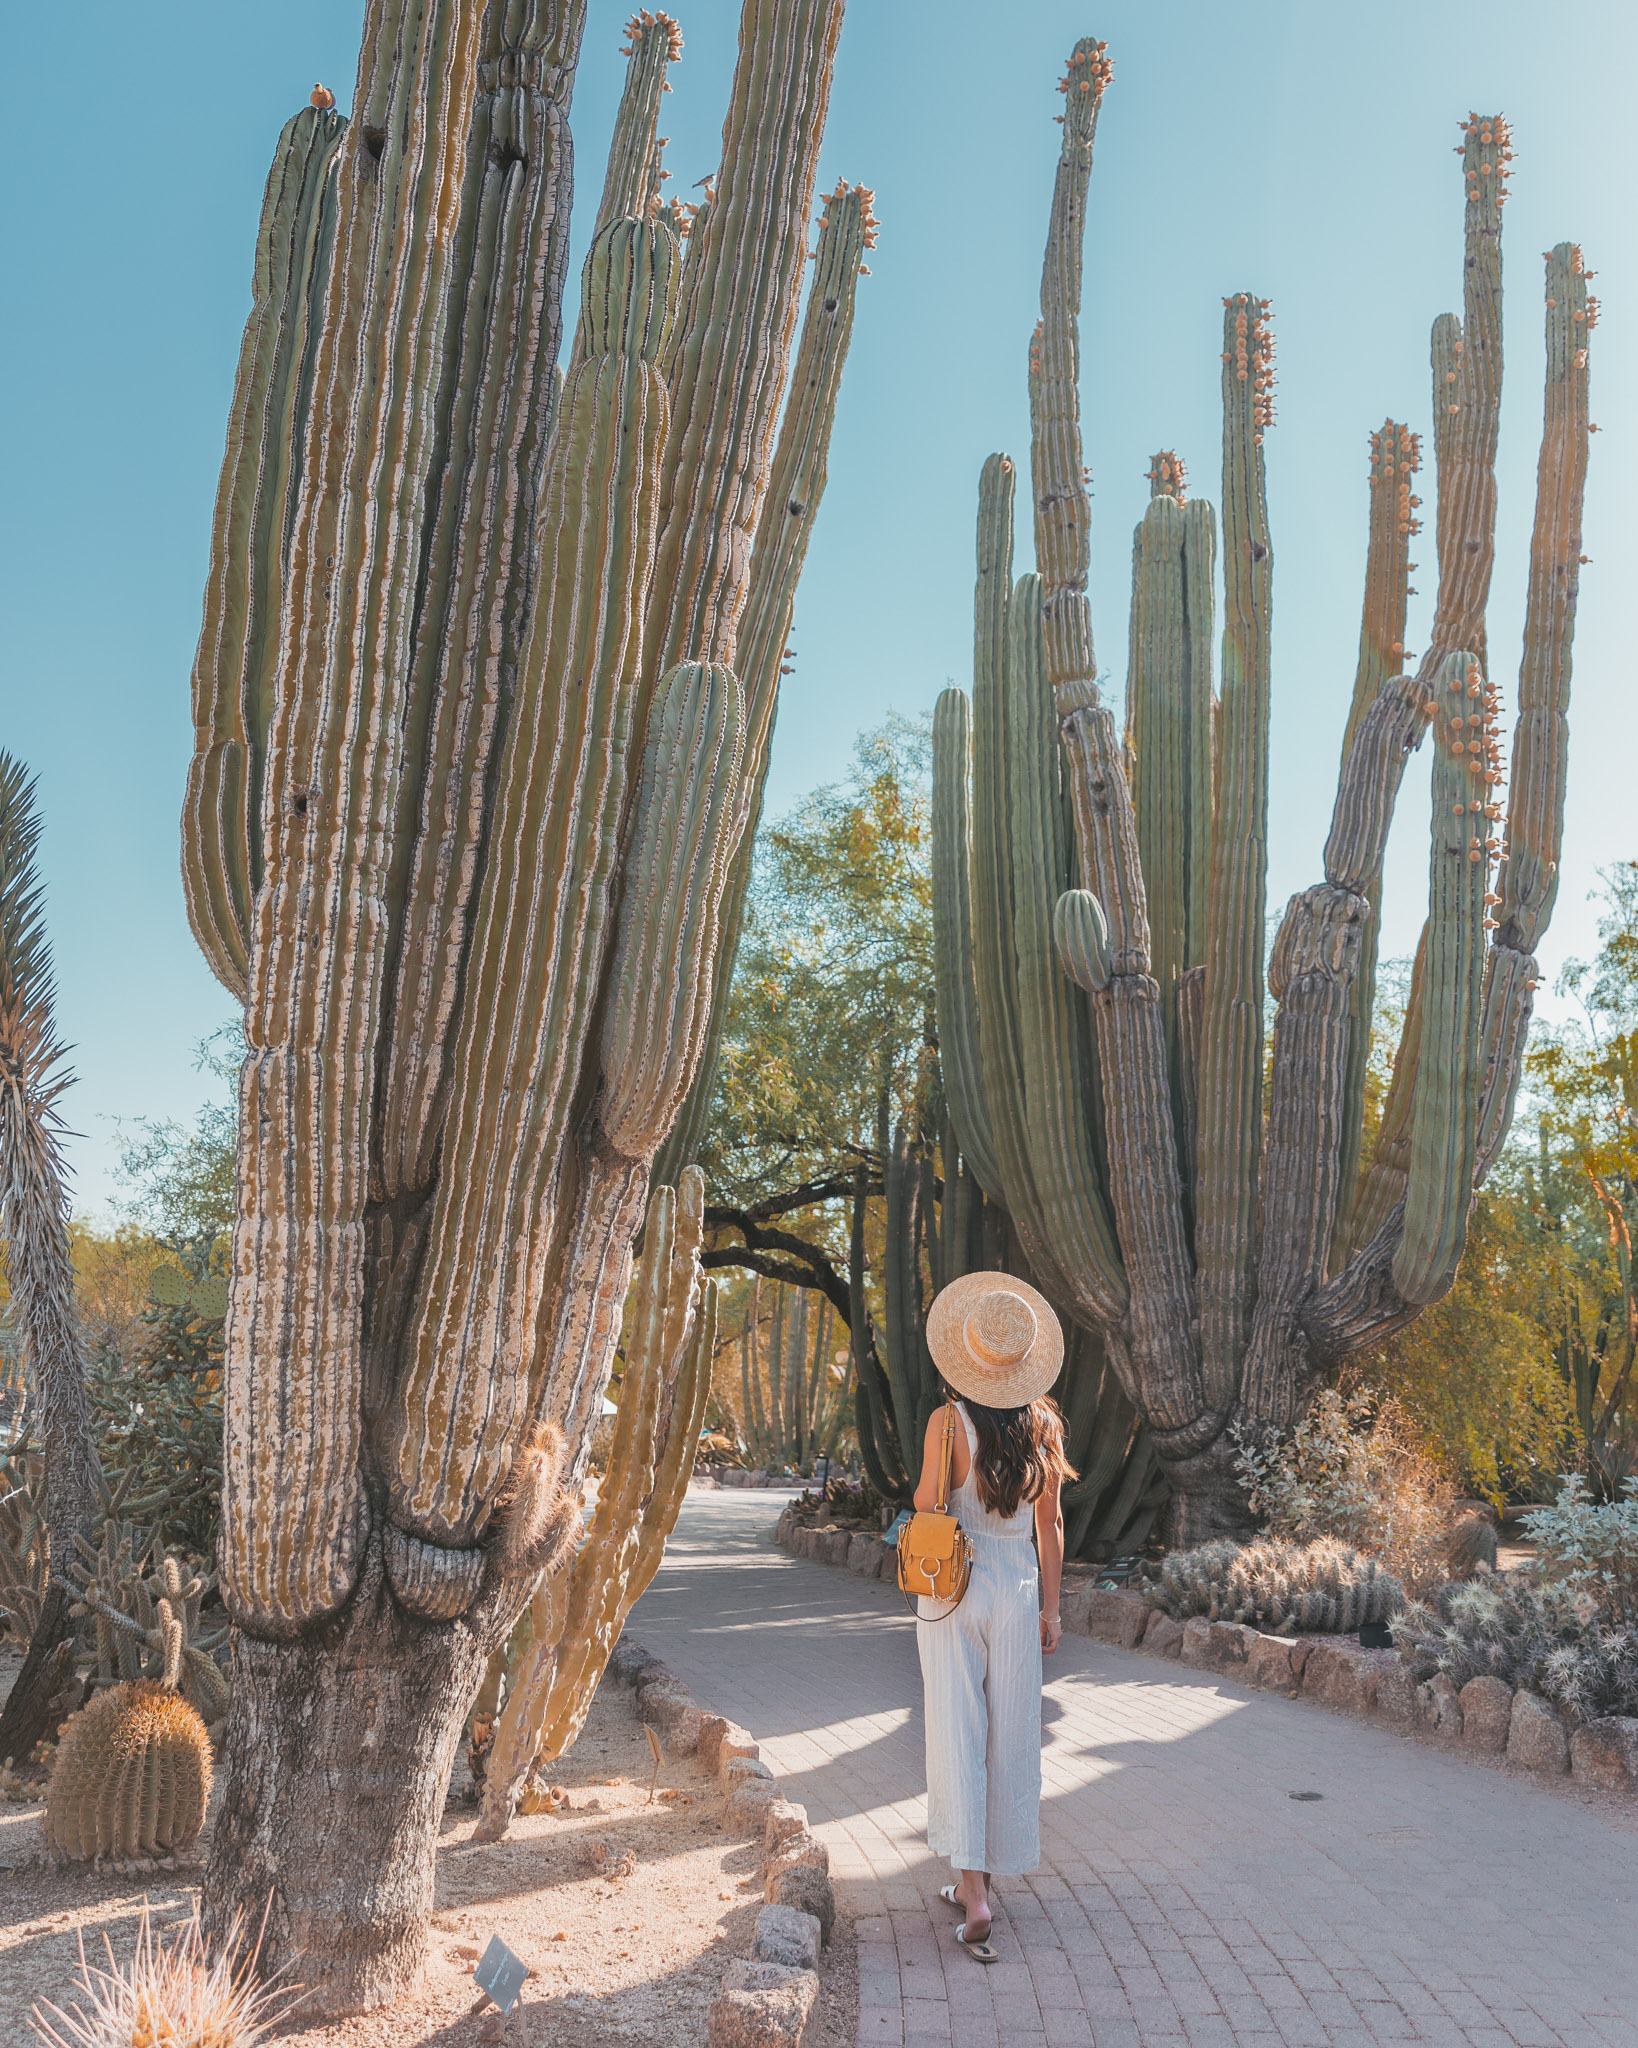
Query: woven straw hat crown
995, 1339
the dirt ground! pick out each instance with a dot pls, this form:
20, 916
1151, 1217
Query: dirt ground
611, 1962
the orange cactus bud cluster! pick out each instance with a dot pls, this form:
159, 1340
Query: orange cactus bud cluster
1168, 476
1487, 156
1251, 334
649, 20
1089, 71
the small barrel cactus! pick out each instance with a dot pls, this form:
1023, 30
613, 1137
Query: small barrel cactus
131, 1777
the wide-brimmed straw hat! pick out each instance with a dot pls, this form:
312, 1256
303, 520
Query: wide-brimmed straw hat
995, 1339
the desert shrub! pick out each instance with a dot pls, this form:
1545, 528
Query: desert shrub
1351, 1469
1321, 1586
1591, 1547
1567, 1627
1534, 1633
158, 1407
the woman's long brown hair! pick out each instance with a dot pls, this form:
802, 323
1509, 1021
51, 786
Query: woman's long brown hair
1020, 1452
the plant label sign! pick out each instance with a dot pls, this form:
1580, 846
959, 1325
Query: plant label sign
500, 1974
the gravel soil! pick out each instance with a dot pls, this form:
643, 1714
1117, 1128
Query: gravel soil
611, 1962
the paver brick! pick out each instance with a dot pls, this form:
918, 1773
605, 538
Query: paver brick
1173, 1860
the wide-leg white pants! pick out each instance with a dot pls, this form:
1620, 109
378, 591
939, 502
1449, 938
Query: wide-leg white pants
981, 1670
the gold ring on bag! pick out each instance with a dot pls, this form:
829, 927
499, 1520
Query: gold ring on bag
935, 1552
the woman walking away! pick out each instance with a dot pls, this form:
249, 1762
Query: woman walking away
998, 1347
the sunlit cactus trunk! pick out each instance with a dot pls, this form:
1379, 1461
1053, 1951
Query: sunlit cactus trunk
476, 748
1230, 1252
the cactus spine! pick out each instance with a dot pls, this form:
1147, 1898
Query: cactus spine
493, 666
1229, 1253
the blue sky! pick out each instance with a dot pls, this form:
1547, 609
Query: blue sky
1300, 151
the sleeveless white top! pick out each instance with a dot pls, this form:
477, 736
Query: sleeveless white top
967, 1505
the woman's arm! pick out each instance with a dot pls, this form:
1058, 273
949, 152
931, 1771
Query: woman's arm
1049, 1542
932, 1443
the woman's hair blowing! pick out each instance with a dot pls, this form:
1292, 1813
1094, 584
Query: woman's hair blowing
1020, 1451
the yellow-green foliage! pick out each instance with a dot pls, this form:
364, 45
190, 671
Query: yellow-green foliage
1475, 1377
131, 1776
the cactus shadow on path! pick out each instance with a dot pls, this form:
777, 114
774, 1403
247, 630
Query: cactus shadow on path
1182, 1890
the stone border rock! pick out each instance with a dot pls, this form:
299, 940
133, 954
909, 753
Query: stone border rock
1485, 1716
766, 1998
737, 1475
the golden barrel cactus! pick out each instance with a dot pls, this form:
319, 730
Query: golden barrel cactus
131, 1777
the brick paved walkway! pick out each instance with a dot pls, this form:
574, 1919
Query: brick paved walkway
1184, 1896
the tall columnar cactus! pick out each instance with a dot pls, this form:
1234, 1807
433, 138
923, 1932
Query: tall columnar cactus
1227, 1252
793, 1407
562, 1641
480, 711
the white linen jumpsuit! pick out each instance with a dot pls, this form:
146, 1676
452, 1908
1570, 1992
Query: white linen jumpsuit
981, 1670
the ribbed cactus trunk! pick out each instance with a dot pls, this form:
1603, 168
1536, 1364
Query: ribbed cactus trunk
1214, 1231
476, 747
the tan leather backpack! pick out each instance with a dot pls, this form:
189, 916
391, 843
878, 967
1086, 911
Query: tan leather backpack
935, 1552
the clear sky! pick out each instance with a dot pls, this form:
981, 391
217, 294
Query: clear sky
1299, 151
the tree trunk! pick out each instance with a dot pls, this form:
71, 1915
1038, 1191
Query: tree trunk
1207, 1500
338, 1755
45, 1690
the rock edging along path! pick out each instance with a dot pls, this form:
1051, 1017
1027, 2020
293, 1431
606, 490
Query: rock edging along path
1185, 1897
1485, 1716
768, 1997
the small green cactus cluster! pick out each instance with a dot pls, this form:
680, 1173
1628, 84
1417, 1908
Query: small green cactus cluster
142, 1610
131, 1776
1318, 1588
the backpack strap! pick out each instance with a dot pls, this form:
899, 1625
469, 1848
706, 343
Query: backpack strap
945, 1453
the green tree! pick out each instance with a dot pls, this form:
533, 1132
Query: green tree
827, 1032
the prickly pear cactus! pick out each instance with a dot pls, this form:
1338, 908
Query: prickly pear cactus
131, 1777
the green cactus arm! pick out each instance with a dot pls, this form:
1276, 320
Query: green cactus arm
655, 1017
479, 561
1069, 1229
1450, 1076
654, 43
1227, 1191
728, 359
540, 928
955, 991
1312, 972
796, 486
1395, 460
910, 1369
1162, 1360
255, 501
1528, 886
1168, 698
1063, 507
632, 179
294, 1340
1467, 403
